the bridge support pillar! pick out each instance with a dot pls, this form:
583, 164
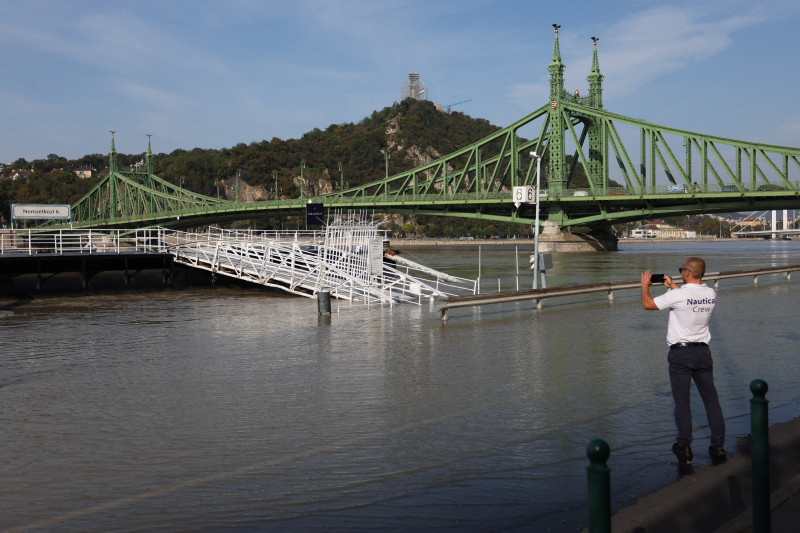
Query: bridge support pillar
553, 239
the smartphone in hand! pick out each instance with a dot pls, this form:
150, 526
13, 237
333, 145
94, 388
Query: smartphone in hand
657, 278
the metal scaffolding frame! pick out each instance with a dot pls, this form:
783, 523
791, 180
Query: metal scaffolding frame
348, 263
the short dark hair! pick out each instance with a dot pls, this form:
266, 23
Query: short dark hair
696, 266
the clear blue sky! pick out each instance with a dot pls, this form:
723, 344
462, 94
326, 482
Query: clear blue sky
213, 74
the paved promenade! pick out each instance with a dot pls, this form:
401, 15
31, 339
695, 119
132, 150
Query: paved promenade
718, 499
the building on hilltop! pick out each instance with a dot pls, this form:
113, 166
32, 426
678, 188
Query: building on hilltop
413, 88
85, 172
20, 173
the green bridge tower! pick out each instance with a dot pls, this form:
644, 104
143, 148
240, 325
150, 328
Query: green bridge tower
595, 130
558, 178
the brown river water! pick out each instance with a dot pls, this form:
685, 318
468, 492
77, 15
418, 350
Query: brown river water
220, 409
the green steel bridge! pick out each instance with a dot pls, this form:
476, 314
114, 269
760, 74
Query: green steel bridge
634, 169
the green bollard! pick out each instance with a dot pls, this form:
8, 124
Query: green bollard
599, 483
759, 445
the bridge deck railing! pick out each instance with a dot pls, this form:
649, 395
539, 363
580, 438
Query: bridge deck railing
659, 190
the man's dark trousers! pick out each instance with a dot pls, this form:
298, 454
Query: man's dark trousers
687, 363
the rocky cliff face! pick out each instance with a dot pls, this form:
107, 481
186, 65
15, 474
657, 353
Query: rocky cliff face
247, 193
315, 185
418, 155
254, 193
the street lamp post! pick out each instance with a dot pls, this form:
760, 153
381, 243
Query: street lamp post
536, 224
302, 176
238, 173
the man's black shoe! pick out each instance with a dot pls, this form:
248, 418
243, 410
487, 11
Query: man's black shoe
717, 451
683, 453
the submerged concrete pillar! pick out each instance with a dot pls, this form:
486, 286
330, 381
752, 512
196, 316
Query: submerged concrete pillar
324, 303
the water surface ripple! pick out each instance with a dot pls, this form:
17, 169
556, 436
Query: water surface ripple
235, 409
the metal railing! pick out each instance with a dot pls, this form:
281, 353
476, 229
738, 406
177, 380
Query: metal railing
680, 189
347, 263
346, 260
79, 242
608, 287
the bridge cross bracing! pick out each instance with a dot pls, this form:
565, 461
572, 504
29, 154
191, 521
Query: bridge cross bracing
600, 168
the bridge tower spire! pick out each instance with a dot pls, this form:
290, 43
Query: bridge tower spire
556, 69
556, 181
595, 79
148, 158
594, 126
113, 186
112, 156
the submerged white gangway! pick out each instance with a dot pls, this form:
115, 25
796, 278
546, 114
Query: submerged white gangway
347, 261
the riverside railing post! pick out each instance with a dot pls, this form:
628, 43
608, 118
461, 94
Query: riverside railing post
759, 435
479, 269
599, 485
536, 223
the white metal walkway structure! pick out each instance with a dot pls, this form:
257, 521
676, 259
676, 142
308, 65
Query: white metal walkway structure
347, 261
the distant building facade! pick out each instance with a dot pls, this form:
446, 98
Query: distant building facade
85, 172
22, 173
661, 230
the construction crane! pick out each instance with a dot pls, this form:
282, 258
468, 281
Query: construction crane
448, 106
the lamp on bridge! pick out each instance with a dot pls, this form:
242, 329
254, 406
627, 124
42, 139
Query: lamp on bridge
536, 224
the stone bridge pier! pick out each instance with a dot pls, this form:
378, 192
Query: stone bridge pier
554, 239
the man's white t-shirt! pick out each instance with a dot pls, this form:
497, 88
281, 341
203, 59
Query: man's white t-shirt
690, 309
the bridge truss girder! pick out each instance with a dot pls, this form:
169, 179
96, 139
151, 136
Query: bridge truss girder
713, 175
128, 197
630, 166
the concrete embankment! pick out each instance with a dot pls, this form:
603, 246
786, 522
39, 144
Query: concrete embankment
401, 242
719, 498
694, 239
